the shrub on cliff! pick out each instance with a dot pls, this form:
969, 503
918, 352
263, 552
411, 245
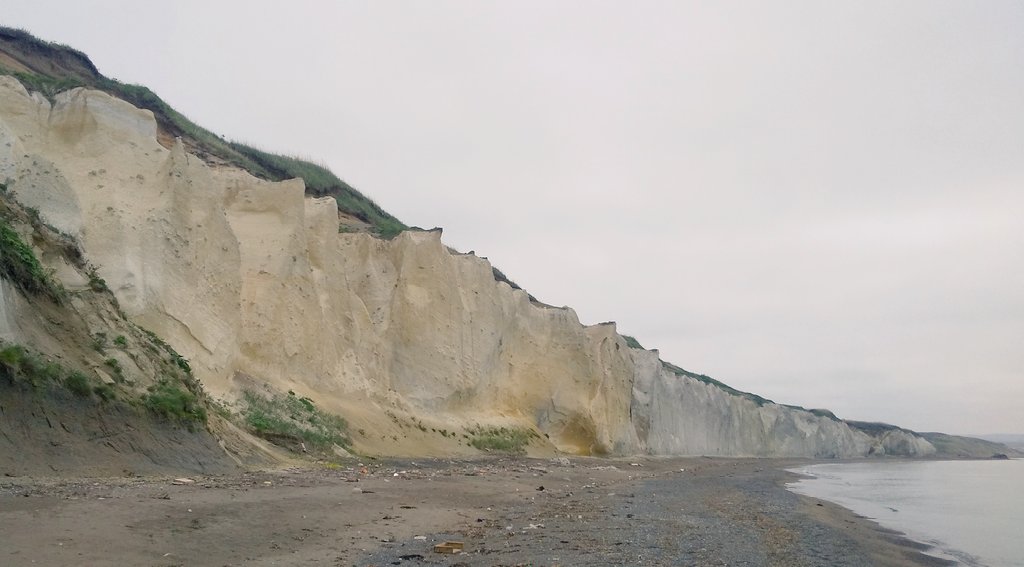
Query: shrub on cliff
168, 399
19, 364
19, 265
293, 421
501, 439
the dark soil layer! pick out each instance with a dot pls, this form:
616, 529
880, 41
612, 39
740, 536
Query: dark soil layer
55, 433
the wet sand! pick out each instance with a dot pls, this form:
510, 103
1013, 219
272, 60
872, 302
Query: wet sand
507, 511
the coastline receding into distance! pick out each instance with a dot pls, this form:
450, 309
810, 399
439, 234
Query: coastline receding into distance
214, 354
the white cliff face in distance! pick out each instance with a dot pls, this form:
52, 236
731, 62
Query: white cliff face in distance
253, 283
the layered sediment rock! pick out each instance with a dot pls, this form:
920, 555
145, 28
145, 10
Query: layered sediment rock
253, 282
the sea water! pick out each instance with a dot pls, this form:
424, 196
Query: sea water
969, 511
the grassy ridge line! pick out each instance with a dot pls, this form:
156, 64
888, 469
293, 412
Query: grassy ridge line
712, 382
79, 71
760, 401
631, 342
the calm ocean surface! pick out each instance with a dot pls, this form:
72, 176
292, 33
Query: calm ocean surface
971, 511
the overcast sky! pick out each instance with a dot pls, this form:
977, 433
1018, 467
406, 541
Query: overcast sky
820, 202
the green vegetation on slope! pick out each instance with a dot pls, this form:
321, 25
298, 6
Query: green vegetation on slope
177, 396
502, 439
168, 399
48, 86
290, 420
21, 365
19, 265
66, 68
321, 182
172, 398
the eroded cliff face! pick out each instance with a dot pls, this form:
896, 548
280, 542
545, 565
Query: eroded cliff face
254, 284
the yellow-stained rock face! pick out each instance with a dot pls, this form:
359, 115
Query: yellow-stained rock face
253, 283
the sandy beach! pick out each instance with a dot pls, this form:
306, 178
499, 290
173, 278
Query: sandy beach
507, 511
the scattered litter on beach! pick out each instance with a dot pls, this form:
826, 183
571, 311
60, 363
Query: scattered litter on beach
450, 547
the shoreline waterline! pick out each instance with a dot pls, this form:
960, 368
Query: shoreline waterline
961, 510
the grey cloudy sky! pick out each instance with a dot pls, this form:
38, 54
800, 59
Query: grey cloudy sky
820, 202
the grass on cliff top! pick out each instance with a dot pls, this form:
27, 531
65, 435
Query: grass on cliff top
319, 180
631, 342
816, 411
875, 428
712, 382
294, 422
70, 60
499, 276
746, 395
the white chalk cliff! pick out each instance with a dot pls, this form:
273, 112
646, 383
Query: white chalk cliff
253, 283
